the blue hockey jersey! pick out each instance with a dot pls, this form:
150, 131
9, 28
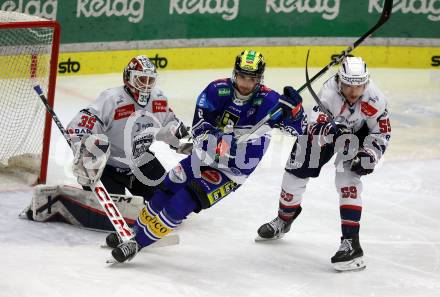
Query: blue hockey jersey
217, 107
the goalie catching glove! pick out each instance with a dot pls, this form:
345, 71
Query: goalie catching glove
91, 156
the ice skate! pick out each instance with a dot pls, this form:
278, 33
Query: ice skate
125, 251
276, 228
273, 230
349, 257
112, 240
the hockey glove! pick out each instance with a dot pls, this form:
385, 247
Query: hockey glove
172, 132
329, 131
185, 148
291, 103
90, 158
364, 162
177, 137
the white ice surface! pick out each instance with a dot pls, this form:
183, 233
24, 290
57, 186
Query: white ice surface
217, 255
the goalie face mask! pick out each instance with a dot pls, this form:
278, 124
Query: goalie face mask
140, 77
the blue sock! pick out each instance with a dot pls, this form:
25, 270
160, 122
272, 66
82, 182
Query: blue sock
152, 226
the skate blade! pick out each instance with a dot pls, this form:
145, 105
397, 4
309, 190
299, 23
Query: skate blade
170, 240
260, 239
112, 262
353, 265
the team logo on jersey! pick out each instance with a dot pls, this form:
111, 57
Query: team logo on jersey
212, 176
124, 111
250, 112
143, 126
229, 118
224, 92
177, 175
141, 144
159, 106
368, 109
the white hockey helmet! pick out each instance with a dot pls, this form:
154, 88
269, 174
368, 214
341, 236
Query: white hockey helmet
353, 72
140, 77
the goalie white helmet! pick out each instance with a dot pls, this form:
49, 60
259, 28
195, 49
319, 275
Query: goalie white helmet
353, 72
140, 77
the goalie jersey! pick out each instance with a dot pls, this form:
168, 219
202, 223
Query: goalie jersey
130, 128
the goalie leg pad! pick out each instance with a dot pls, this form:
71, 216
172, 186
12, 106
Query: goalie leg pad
78, 207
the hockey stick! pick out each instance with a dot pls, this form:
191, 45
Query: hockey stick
386, 13
98, 189
315, 96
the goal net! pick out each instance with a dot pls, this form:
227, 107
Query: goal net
28, 56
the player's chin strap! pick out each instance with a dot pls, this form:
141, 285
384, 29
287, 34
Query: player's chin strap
386, 13
98, 189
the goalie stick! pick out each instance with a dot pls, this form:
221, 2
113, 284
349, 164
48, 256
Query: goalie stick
98, 189
385, 15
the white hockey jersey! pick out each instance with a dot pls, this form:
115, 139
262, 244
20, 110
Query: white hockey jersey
370, 109
130, 128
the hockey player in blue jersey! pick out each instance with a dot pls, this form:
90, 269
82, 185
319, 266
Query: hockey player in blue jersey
220, 163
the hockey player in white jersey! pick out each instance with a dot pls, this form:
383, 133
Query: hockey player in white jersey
132, 117
128, 118
359, 109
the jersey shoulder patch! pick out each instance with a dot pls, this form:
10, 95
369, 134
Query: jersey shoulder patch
368, 109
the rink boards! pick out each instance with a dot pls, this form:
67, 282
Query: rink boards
98, 62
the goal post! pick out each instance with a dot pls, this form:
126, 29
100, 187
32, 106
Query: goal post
29, 48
